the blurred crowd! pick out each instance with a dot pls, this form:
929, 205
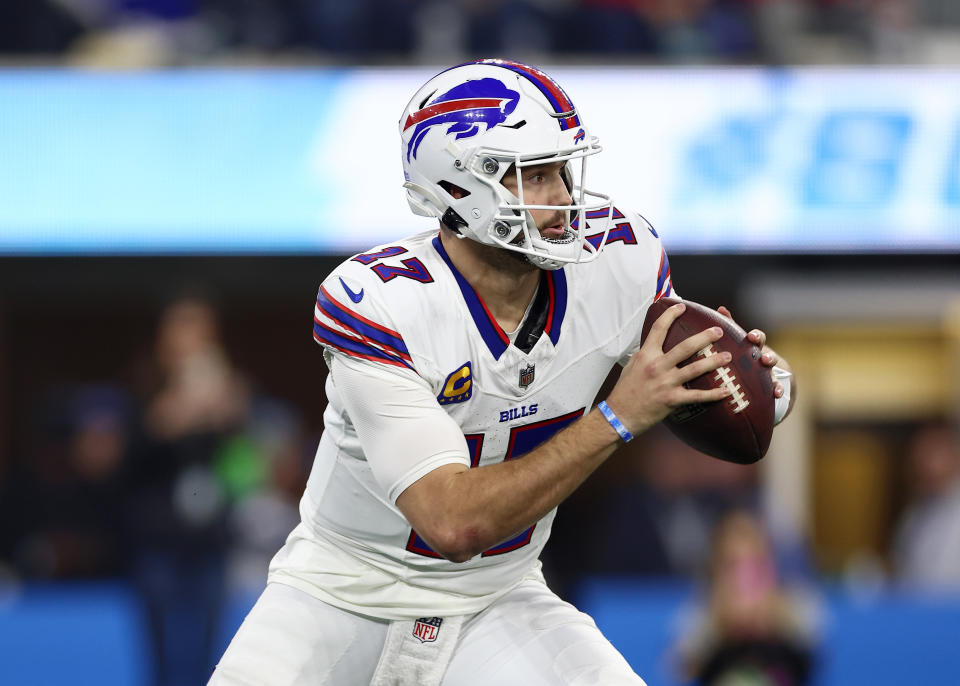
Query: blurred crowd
185, 482
149, 33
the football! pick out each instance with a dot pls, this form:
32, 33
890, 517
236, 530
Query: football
737, 429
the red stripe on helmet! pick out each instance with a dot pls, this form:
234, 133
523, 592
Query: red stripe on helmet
547, 82
450, 106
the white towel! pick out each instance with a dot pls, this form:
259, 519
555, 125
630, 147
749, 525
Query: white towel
417, 651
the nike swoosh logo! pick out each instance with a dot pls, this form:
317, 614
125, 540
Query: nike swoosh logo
355, 297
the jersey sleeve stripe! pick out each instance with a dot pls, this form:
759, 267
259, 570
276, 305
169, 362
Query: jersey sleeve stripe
321, 316
322, 319
326, 336
349, 319
663, 273
663, 276
352, 336
355, 354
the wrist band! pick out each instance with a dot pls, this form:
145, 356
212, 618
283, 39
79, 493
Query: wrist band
614, 421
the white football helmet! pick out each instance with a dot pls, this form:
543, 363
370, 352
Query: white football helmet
466, 127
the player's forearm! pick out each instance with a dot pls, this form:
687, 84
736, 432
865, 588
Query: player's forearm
462, 512
486, 506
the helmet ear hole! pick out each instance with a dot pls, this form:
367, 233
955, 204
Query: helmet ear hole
453, 189
567, 175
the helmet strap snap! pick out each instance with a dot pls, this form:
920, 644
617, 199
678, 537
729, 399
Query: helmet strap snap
452, 220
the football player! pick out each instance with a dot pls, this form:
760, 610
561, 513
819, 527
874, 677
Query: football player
464, 365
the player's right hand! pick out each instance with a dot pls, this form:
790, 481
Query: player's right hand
652, 384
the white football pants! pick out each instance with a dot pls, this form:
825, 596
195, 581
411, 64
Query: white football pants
529, 637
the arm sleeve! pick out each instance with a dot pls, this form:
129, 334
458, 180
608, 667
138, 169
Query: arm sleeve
404, 432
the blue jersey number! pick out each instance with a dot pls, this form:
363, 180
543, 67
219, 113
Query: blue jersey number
369, 258
523, 439
412, 267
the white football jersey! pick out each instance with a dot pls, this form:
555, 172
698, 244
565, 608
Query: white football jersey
403, 308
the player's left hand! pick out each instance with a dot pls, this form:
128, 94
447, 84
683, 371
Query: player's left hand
768, 358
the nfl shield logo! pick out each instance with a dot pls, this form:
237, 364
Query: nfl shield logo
526, 375
426, 629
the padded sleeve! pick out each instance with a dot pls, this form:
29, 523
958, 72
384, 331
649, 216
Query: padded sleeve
404, 432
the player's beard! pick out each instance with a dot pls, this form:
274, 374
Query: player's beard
509, 261
512, 261
520, 261
560, 217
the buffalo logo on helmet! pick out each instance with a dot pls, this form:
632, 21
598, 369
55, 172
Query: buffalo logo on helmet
466, 106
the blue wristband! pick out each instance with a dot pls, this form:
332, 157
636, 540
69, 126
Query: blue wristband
614, 421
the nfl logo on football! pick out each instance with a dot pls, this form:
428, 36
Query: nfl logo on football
426, 629
526, 375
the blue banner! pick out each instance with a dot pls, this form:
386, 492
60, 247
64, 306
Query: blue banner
308, 161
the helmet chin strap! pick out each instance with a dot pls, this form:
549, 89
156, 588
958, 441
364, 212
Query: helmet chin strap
522, 235
548, 252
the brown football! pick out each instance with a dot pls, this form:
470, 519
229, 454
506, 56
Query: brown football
737, 429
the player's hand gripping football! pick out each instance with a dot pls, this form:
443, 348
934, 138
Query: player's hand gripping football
651, 385
768, 358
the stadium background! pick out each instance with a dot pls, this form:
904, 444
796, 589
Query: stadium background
800, 159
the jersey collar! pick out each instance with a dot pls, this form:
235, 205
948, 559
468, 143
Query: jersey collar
555, 283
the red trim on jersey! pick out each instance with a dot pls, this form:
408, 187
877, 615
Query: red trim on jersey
358, 337
351, 353
665, 284
361, 338
553, 305
343, 308
526, 427
496, 327
497, 550
414, 548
